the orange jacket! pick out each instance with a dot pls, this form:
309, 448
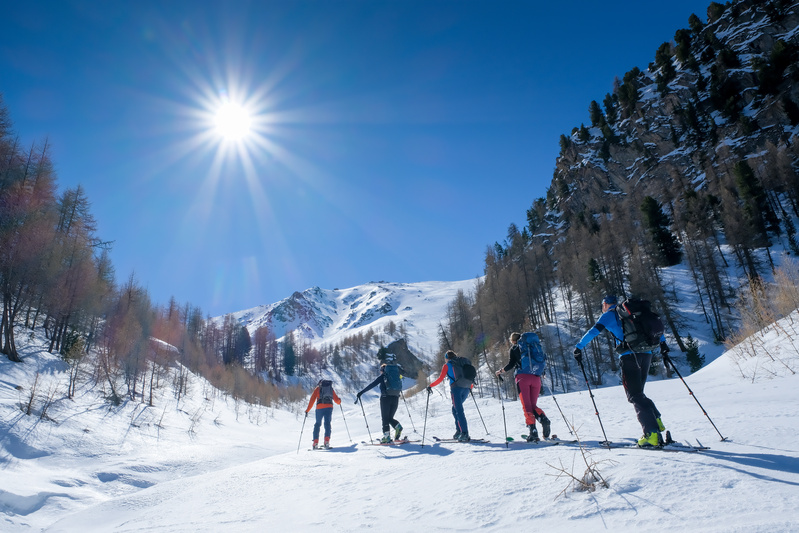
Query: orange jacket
314, 397
444, 371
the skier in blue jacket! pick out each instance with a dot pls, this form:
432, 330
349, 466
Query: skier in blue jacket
634, 370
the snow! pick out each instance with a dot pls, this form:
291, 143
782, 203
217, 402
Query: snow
212, 464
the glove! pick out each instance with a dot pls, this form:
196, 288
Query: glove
664, 353
578, 354
357, 397
429, 390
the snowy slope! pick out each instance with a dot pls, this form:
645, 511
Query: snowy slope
206, 466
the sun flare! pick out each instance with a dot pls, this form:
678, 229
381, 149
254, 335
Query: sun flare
233, 122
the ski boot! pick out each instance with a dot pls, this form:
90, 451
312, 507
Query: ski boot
651, 440
327, 443
532, 436
464, 437
545, 424
386, 438
315, 445
397, 432
661, 427
457, 435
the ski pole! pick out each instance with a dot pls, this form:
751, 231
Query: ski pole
691, 393
552, 393
502, 402
301, 430
607, 442
426, 405
345, 422
478, 412
364, 419
409, 412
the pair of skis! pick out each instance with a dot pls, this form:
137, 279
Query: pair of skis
548, 441
403, 440
452, 441
666, 447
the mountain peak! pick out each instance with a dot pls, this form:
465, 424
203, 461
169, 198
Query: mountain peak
325, 316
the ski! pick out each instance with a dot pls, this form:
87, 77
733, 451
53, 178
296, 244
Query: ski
552, 441
669, 447
392, 443
459, 441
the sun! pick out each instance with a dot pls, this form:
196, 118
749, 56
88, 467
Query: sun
233, 122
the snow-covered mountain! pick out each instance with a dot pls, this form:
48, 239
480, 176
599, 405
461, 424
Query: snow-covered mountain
324, 316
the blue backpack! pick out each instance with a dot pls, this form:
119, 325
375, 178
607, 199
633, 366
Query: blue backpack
533, 360
392, 377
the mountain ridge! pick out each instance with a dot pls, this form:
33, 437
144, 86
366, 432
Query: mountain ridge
325, 316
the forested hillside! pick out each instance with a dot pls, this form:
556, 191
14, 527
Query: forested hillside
690, 162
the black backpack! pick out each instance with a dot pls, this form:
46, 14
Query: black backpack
325, 391
465, 373
642, 327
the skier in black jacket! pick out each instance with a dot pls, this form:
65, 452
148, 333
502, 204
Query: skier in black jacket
389, 399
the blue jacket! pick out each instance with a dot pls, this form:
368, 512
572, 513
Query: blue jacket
609, 321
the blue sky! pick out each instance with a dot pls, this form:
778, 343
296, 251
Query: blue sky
391, 140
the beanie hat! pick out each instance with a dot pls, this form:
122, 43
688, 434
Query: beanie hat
610, 299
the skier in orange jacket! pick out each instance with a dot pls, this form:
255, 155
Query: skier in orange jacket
324, 396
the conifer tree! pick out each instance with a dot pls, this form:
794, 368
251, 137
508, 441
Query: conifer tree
657, 223
595, 113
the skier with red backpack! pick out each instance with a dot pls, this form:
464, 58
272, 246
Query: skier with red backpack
528, 360
324, 396
637, 332
461, 376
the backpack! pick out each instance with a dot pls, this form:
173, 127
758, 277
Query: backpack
325, 391
465, 373
533, 359
392, 378
642, 327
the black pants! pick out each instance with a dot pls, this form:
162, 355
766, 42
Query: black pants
634, 370
388, 408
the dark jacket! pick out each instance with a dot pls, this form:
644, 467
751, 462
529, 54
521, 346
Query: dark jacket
515, 358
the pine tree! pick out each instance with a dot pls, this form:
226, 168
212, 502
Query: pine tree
595, 113
289, 355
583, 135
683, 50
657, 223
695, 359
610, 108
757, 209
